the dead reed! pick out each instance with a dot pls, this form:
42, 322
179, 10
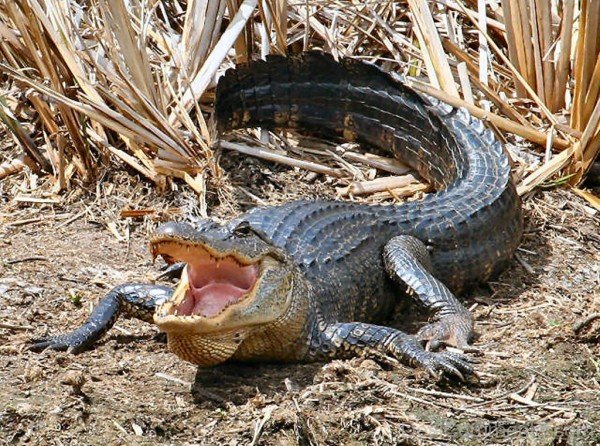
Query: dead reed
85, 80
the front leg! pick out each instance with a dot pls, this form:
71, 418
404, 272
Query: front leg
407, 261
344, 340
129, 300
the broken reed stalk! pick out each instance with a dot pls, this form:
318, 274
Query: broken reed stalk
564, 56
488, 90
200, 32
586, 110
483, 47
282, 159
514, 46
433, 45
505, 59
588, 196
391, 165
12, 167
500, 122
202, 80
380, 185
531, 43
22, 136
537, 51
544, 26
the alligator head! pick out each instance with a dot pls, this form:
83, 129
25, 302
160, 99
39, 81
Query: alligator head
235, 282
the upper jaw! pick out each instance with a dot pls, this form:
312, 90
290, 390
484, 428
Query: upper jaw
175, 249
218, 242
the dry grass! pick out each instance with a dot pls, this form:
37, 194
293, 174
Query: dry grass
84, 81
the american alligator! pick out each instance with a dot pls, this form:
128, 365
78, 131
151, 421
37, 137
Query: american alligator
309, 280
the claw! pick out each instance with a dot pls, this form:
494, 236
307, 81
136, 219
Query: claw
454, 371
449, 367
432, 371
437, 364
460, 363
438, 368
59, 343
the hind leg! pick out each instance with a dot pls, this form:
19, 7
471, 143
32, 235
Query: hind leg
407, 261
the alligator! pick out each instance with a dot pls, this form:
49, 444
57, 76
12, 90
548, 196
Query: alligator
311, 280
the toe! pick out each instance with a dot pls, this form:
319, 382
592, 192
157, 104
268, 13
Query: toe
459, 362
55, 343
37, 345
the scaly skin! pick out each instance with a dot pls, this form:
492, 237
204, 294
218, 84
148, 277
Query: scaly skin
345, 263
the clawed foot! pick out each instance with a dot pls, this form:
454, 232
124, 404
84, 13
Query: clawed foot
454, 330
71, 342
446, 363
437, 364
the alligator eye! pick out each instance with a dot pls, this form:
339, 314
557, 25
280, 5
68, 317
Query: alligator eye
244, 229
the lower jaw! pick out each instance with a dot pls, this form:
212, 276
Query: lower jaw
204, 350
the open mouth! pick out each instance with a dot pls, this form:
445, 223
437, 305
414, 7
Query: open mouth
213, 282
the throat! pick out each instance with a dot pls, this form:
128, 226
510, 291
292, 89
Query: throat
214, 285
210, 300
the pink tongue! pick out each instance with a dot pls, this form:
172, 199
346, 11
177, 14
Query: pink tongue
211, 299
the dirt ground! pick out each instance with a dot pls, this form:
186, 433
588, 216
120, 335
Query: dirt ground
538, 378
